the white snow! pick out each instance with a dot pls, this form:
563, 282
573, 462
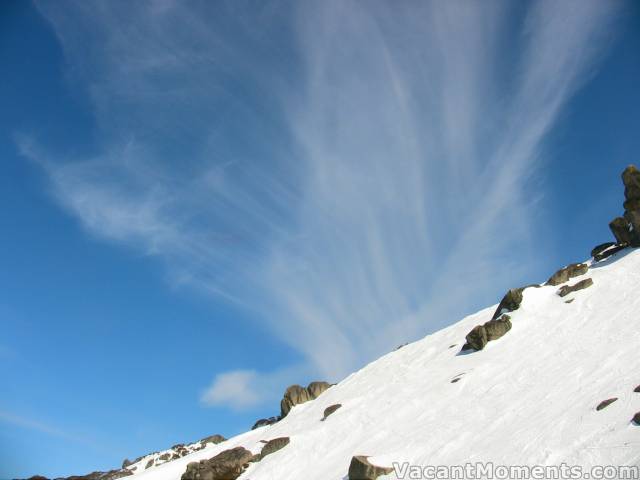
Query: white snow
528, 398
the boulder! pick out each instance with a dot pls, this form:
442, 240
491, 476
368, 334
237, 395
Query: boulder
295, 395
213, 439
263, 422
126, 463
477, 338
273, 446
636, 418
227, 465
315, 389
564, 274
605, 403
581, 285
637, 389
621, 230
498, 327
149, 464
631, 181
510, 302
361, 469
605, 250
330, 409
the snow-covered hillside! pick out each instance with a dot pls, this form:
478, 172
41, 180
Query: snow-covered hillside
529, 397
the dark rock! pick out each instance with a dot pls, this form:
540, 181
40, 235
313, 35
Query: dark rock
264, 422
330, 409
477, 338
570, 300
631, 181
601, 254
227, 465
480, 335
636, 418
605, 403
621, 230
164, 456
498, 327
295, 395
455, 380
213, 439
564, 274
149, 464
273, 446
510, 302
361, 469
581, 285
599, 249
126, 463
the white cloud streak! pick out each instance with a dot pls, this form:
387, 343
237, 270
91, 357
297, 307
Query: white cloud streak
354, 172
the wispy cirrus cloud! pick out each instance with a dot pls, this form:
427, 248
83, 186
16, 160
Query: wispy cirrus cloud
353, 173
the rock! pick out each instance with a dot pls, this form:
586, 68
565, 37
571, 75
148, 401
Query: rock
477, 338
510, 302
599, 249
636, 418
498, 327
273, 446
637, 389
480, 335
605, 403
581, 285
564, 274
600, 254
126, 463
264, 422
164, 456
330, 409
295, 395
227, 465
361, 469
315, 389
455, 380
213, 439
621, 230
631, 181
570, 300
149, 464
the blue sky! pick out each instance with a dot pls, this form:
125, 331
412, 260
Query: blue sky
203, 202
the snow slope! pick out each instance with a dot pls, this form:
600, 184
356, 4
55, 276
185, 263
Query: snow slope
527, 398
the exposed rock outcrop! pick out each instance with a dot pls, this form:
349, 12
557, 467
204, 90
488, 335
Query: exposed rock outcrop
227, 465
510, 302
361, 469
626, 229
110, 475
605, 250
565, 274
263, 422
480, 335
636, 418
213, 439
295, 395
605, 403
330, 409
273, 446
581, 285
